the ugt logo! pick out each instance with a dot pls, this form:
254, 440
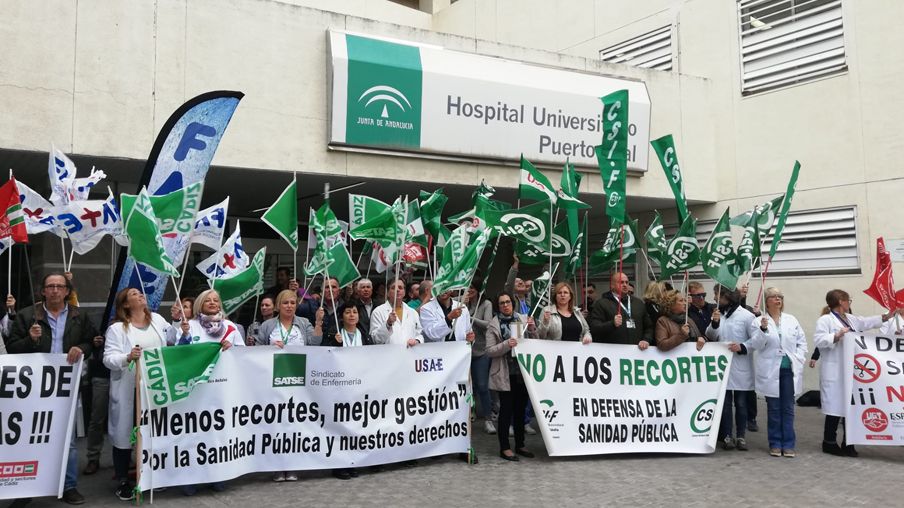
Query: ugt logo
548, 412
289, 369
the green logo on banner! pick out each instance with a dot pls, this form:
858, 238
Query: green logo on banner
172, 372
702, 417
289, 369
384, 93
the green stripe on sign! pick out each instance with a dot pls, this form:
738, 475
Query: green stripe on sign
385, 84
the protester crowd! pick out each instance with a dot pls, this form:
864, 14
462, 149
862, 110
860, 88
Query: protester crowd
769, 346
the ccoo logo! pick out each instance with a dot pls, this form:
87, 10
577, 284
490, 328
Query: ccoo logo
702, 417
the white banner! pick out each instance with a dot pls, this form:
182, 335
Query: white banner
606, 398
38, 393
404, 96
269, 409
874, 383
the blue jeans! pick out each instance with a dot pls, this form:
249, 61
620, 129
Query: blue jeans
739, 399
781, 413
71, 464
480, 376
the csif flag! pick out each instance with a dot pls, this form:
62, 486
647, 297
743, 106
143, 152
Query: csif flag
718, 256
534, 185
620, 245
612, 153
668, 158
786, 206
683, 252
657, 243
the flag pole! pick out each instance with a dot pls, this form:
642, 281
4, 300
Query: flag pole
71, 255
649, 264
295, 250
555, 210
621, 254
483, 285
548, 285
399, 252
686, 304
63, 248
326, 284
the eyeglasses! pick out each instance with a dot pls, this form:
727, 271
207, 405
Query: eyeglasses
698, 295
505, 302
55, 286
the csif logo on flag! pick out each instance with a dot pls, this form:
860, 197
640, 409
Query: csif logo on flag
385, 87
549, 413
289, 369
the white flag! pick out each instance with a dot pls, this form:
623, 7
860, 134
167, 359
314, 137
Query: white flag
61, 171
210, 224
228, 259
39, 213
81, 187
86, 222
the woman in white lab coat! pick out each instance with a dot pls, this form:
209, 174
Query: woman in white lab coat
836, 325
731, 324
781, 353
398, 324
136, 328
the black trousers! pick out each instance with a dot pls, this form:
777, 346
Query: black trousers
830, 430
511, 407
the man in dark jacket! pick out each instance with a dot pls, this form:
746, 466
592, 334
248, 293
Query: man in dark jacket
52, 326
698, 308
617, 318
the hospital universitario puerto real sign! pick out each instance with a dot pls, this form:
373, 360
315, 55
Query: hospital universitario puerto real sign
399, 96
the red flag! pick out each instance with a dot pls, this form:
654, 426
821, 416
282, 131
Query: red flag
12, 220
882, 288
899, 297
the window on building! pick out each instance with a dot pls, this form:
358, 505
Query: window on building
784, 42
652, 50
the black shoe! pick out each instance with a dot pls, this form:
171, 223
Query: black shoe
91, 468
19, 503
511, 458
850, 451
341, 474
832, 449
524, 452
353, 472
752, 426
72, 496
125, 492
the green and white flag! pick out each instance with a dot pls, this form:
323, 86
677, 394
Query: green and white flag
568, 192
382, 228
578, 251
668, 158
534, 185
786, 206
539, 291
431, 206
765, 214
325, 224
657, 244
282, 215
749, 249
612, 153
341, 266
414, 224
175, 212
461, 274
621, 244
242, 286
452, 251
363, 208
529, 223
718, 257
145, 240
532, 254
171, 373
683, 252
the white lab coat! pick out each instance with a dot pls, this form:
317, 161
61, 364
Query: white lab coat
117, 346
831, 357
771, 346
736, 328
894, 326
433, 322
408, 327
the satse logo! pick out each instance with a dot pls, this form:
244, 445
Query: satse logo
289, 369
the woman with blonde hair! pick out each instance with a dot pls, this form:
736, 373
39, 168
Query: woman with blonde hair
652, 299
288, 329
563, 321
135, 328
209, 324
673, 327
781, 353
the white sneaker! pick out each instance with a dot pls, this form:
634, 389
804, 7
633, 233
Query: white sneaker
511, 431
291, 476
529, 430
279, 477
489, 427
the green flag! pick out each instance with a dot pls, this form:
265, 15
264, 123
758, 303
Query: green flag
432, 205
453, 249
324, 223
568, 192
533, 254
363, 208
668, 158
242, 286
415, 225
765, 214
342, 267
171, 373
533, 184
657, 244
381, 228
612, 153
282, 215
683, 252
145, 241
539, 291
749, 249
786, 206
529, 223
175, 212
578, 251
620, 244
718, 256
460, 276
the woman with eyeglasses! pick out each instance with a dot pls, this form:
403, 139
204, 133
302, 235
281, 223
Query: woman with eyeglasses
836, 325
781, 353
505, 375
